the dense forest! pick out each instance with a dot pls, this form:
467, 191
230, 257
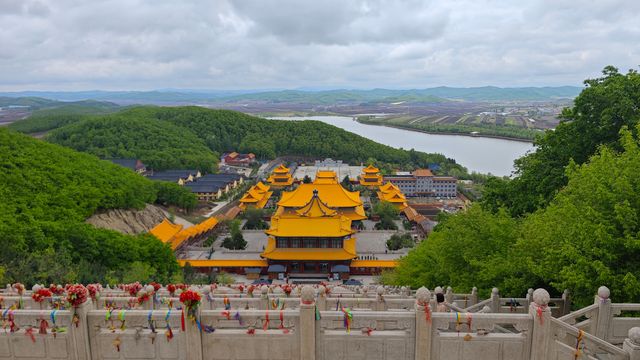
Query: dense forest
46, 193
159, 144
191, 137
569, 219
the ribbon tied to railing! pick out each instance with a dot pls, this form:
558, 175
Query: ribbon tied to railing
348, 318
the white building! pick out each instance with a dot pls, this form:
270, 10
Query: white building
422, 182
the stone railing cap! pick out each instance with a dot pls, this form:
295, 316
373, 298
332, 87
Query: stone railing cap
604, 292
541, 297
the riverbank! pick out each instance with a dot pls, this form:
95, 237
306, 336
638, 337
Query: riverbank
444, 132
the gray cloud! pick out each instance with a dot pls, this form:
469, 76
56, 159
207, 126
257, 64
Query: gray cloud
146, 44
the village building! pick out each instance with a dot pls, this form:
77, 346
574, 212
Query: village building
257, 196
237, 159
281, 177
134, 165
179, 177
212, 186
371, 176
422, 182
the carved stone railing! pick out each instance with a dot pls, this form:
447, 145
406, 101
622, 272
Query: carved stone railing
385, 326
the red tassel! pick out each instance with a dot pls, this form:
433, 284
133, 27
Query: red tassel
169, 334
251, 331
43, 327
182, 320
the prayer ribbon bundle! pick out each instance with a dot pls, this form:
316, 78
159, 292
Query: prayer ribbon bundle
348, 317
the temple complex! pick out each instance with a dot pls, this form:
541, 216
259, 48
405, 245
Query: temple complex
257, 196
371, 176
391, 193
281, 177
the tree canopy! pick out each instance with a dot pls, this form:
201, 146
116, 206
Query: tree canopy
46, 193
159, 144
606, 105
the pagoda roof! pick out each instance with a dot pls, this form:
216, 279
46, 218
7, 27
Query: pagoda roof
371, 170
316, 208
281, 169
287, 225
334, 195
388, 186
326, 177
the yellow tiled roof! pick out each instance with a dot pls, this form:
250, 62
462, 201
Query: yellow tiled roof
371, 170
281, 169
258, 196
332, 194
333, 226
326, 177
166, 230
176, 235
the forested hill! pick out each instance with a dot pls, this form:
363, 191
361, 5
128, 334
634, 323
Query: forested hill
46, 193
155, 133
159, 144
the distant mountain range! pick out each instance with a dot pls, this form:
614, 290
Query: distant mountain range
325, 97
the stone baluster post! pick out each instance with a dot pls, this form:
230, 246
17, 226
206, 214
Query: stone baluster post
321, 302
80, 333
307, 324
381, 305
434, 302
403, 292
473, 299
566, 302
264, 298
632, 344
423, 324
495, 300
600, 326
539, 310
448, 296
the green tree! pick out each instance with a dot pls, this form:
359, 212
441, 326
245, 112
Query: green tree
387, 212
588, 235
306, 179
254, 218
599, 112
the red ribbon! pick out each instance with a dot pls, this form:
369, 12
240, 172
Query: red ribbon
284, 330
227, 314
427, 313
29, 333
539, 311
43, 327
265, 326
182, 320
251, 331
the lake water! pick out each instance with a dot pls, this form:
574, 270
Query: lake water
484, 155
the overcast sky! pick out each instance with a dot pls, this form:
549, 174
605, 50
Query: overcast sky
265, 44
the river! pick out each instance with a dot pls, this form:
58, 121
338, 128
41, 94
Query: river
483, 155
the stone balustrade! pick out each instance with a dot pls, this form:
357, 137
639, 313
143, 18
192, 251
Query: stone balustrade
376, 323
